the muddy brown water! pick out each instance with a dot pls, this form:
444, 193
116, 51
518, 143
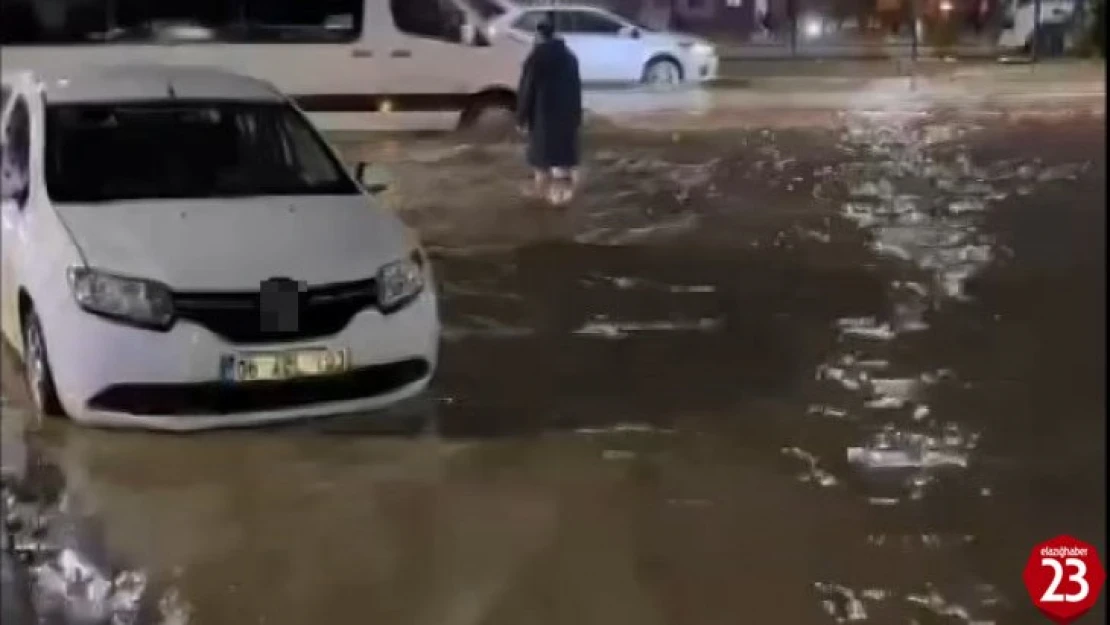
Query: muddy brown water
849, 374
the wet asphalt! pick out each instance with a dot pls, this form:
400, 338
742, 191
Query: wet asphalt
848, 373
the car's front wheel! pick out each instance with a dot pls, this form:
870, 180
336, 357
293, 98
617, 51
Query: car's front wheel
662, 73
36, 367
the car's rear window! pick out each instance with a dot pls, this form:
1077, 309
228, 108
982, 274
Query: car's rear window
186, 149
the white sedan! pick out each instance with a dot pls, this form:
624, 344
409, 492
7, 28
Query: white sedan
609, 47
182, 250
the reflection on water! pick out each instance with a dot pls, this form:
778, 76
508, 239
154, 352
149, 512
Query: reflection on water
55, 562
922, 200
847, 605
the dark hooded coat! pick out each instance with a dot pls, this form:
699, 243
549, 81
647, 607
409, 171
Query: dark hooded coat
550, 105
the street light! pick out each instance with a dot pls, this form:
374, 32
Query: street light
813, 28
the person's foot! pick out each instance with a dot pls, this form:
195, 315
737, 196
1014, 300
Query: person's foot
560, 194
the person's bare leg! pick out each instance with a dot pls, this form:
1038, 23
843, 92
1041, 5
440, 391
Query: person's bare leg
571, 178
561, 190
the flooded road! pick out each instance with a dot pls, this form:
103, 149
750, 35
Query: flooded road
849, 373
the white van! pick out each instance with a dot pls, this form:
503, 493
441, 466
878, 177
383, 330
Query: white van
351, 64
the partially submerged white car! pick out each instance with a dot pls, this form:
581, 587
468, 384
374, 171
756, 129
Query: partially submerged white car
182, 250
609, 47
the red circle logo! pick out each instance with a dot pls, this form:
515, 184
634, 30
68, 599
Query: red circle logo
1064, 577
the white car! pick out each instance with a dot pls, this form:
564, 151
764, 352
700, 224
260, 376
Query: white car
609, 47
182, 250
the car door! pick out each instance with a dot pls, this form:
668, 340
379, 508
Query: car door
15, 184
605, 49
435, 58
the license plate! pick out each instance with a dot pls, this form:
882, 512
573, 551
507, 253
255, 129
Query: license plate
285, 365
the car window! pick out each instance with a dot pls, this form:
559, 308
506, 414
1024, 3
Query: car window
565, 21
591, 23
297, 21
430, 19
15, 153
32, 22
186, 150
529, 21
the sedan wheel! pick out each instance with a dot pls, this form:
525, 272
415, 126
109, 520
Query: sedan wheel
36, 365
662, 73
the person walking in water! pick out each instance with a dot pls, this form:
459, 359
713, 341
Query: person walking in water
549, 111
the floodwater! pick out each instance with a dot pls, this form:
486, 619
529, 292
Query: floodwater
842, 374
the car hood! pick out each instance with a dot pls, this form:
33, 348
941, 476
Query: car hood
235, 244
675, 38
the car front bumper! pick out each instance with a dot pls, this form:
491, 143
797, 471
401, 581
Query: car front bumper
109, 374
707, 67
700, 65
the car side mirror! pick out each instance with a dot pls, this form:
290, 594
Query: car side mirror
372, 179
632, 32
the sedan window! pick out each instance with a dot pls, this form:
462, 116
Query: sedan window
571, 22
15, 154
529, 21
592, 23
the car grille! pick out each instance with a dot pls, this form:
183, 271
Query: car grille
236, 316
221, 398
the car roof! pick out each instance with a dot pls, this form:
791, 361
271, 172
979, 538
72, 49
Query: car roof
132, 83
547, 5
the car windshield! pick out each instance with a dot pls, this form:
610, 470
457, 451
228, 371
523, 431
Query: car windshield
186, 149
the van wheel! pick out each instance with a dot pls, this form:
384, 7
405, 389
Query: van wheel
489, 118
662, 73
36, 368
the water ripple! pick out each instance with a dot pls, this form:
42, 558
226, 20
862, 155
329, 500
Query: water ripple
921, 200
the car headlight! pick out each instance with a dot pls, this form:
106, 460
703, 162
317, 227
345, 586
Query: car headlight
400, 282
702, 49
131, 300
